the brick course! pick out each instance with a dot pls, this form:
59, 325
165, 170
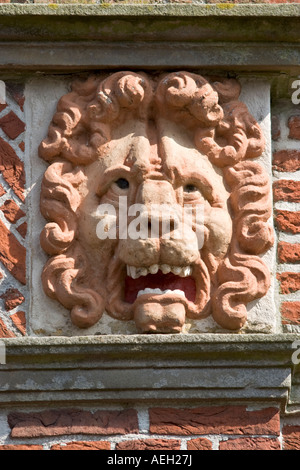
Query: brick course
286, 160
201, 443
288, 221
223, 428
250, 443
286, 190
68, 422
83, 445
291, 437
289, 282
212, 420
290, 313
149, 444
288, 252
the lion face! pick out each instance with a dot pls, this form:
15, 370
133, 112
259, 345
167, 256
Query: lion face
157, 279
132, 155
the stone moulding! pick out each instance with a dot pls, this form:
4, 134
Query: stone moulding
149, 36
157, 369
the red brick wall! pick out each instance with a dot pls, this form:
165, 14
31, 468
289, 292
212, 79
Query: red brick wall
201, 428
234, 427
286, 193
12, 213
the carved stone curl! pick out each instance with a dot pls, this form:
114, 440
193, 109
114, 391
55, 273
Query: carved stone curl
173, 141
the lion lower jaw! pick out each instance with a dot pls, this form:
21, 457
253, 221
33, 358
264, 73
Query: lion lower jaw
155, 317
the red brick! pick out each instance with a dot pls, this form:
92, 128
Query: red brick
149, 444
214, 420
289, 282
4, 105
290, 313
286, 190
275, 128
16, 90
12, 254
20, 446
12, 211
22, 229
288, 221
4, 331
83, 445
22, 146
288, 252
12, 169
68, 422
12, 298
291, 437
286, 160
19, 320
250, 443
294, 127
12, 125
201, 443
2, 190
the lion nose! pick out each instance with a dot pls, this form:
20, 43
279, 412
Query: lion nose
156, 192
159, 201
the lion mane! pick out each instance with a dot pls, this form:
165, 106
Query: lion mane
223, 130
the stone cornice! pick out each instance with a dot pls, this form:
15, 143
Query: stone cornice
195, 369
148, 9
224, 36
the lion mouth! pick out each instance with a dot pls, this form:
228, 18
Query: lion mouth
157, 280
158, 297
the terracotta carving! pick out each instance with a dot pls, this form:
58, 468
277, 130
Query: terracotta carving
136, 143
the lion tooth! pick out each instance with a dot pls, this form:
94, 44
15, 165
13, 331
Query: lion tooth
141, 272
148, 290
158, 291
188, 271
165, 268
153, 269
133, 272
179, 292
176, 270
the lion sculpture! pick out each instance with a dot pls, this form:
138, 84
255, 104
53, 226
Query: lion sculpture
177, 140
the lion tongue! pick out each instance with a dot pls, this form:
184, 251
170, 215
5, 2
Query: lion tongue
153, 317
162, 281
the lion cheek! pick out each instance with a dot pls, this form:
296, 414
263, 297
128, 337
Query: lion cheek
219, 225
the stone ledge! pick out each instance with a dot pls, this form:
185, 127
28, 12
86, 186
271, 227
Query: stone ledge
258, 37
189, 369
109, 9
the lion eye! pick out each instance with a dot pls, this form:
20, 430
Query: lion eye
122, 183
190, 188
